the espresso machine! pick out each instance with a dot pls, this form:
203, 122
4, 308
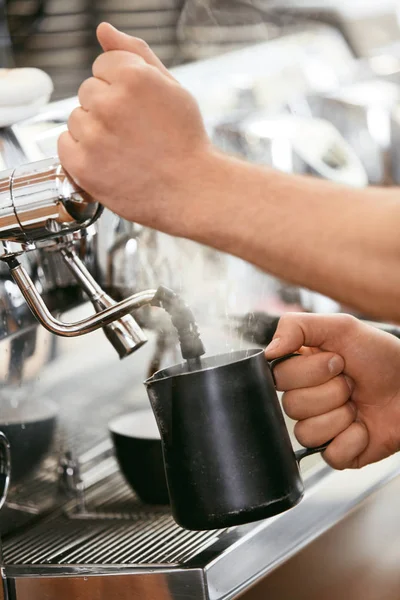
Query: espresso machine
80, 289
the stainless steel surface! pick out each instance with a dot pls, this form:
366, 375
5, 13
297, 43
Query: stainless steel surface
124, 334
367, 25
295, 145
362, 112
5, 468
42, 202
118, 530
188, 585
3, 582
10, 229
228, 561
38, 202
355, 560
100, 319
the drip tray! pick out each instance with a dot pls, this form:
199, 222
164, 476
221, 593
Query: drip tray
113, 529
112, 546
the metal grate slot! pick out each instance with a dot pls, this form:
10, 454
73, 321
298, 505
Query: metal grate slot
118, 530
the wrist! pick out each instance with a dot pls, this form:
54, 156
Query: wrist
196, 194
209, 193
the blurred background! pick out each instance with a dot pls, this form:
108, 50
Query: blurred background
59, 35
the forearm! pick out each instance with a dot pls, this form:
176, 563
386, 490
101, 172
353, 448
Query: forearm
339, 241
138, 145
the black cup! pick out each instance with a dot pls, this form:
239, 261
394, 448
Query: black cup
138, 450
30, 428
227, 451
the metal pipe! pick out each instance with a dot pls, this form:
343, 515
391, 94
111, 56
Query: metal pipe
81, 273
42, 313
124, 334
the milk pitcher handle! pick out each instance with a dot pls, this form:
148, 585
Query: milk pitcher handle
304, 452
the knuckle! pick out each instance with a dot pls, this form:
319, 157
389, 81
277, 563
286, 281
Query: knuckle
347, 322
340, 388
91, 137
286, 322
98, 62
302, 433
86, 87
63, 140
73, 117
311, 436
334, 457
64, 148
140, 44
287, 318
137, 74
290, 403
80, 168
335, 462
348, 413
101, 106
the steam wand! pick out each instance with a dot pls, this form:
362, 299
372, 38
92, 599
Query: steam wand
181, 316
42, 313
124, 334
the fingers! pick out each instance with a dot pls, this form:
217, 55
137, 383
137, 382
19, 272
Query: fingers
112, 39
91, 92
77, 122
69, 155
315, 431
314, 401
307, 371
113, 65
345, 450
326, 332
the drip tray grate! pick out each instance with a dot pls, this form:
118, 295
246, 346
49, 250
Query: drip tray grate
117, 530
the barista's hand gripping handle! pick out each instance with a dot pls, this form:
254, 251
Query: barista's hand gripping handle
304, 452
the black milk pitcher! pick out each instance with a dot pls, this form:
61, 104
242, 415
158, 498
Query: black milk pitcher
227, 452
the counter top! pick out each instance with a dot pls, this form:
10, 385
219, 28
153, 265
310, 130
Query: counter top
225, 563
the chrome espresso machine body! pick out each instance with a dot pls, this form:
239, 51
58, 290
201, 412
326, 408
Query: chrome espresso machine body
72, 528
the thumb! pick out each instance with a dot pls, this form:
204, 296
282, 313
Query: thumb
111, 38
295, 330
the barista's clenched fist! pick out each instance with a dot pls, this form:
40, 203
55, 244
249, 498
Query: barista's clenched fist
137, 135
345, 386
